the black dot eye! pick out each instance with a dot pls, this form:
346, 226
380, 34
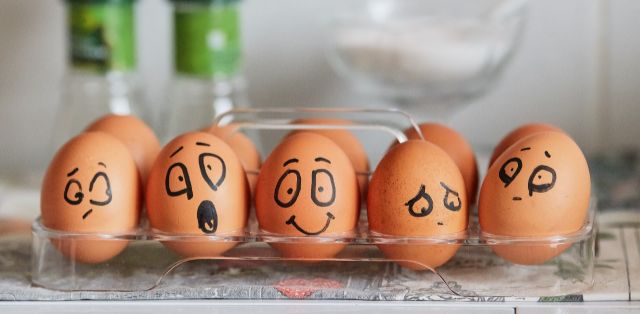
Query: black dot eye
542, 179
451, 198
510, 170
73, 192
289, 183
422, 210
319, 179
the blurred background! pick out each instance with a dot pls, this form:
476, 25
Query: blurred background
576, 66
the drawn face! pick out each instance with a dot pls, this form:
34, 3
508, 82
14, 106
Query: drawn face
536, 186
197, 183
99, 192
91, 185
308, 191
541, 179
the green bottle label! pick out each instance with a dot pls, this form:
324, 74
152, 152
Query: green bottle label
207, 40
102, 35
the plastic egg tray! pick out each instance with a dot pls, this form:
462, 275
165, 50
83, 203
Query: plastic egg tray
475, 271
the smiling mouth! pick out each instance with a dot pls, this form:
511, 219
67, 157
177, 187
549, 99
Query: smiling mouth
86, 214
292, 221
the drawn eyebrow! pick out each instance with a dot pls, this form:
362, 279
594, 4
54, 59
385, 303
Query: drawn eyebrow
546, 153
177, 151
526, 148
323, 159
292, 160
203, 144
72, 172
102, 164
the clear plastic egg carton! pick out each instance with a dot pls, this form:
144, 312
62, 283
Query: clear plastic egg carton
360, 270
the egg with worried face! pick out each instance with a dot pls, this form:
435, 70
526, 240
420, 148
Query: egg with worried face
197, 186
538, 187
91, 186
307, 187
417, 190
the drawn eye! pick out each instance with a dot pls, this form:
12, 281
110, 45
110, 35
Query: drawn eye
323, 188
73, 192
420, 205
177, 181
451, 199
287, 188
213, 169
510, 170
542, 179
103, 185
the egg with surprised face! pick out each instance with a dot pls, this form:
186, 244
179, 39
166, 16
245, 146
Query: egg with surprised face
540, 186
91, 186
417, 190
307, 187
197, 186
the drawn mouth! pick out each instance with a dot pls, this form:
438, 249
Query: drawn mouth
517, 198
207, 217
440, 223
292, 221
87, 213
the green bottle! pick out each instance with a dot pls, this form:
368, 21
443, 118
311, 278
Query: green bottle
208, 76
101, 65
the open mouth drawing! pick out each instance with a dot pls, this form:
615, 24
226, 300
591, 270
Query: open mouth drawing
292, 221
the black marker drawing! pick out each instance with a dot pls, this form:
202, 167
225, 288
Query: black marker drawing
525, 149
205, 164
424, 211
539, 173
546, 153
77, 196
315, 189
207, 217
517, 198
290, 161
107, 192
183, 176
72, 172
510, 170
203, 144
177, 151
453, 205
87, 213
292, 191
292, 221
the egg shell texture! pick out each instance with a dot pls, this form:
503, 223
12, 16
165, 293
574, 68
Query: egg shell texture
454, 144
91, 186
135, 134
197, 186
540, 186
518, 134
417, 190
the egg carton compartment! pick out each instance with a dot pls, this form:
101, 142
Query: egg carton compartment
360, 270
474, 271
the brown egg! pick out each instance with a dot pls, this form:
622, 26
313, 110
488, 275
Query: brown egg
417, 190
540, 186
454, 144
348, 143
91, 186
135, 134
243, 147
518, 134
197, 187
307, 186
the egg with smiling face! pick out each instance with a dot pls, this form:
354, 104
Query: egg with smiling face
197, 186
418, 191
91, 186
307, 187
538, 187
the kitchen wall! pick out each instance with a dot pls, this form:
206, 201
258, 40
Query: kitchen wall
576, 68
